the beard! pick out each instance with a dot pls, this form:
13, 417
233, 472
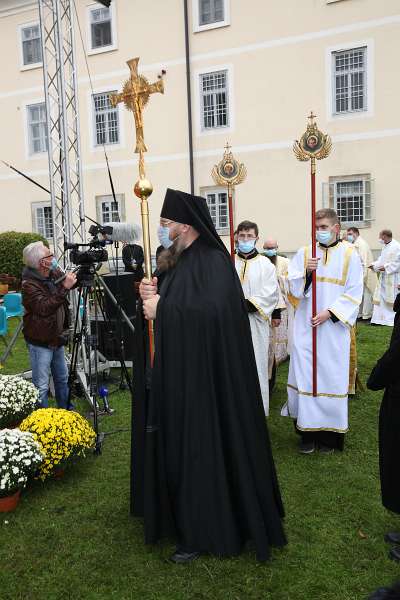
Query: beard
170, 256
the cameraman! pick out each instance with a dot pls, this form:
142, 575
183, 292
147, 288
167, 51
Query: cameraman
45, 321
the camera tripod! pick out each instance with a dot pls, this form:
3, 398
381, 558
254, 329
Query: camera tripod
85, 346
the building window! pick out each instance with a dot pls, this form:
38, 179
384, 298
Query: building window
350, 80
352, 198
37, 128
210, 11
214, 100
217, 202
101, 31
43, 219
110, 211
31, 45
106, 120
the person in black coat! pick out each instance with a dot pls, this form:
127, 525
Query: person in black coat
386, 375
133, 258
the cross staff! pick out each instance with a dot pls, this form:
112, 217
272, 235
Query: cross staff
135, 95
313, 145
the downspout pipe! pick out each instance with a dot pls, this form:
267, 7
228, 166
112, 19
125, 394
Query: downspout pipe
189, 96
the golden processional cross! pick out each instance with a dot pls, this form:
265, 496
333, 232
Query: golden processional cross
135, 95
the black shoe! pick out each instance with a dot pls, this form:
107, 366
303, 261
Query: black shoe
181, 556
306, 447
392, 537
394, 553
325, 449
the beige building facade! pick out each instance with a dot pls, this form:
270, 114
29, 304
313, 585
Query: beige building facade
256, 69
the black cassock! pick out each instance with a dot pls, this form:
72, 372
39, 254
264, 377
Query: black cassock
386, 374
203, 470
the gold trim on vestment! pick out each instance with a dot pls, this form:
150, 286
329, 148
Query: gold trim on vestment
346, 263
322, 429
354, 300
311, 394
340, 317
244, 266
260, 310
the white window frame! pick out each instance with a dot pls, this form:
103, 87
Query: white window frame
330, 80
330, 197
92, 121
196, 17
114, 45
218, 190
199, 101
28, 154
100, 199
35, 206
21, 51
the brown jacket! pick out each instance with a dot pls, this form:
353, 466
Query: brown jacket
46, 309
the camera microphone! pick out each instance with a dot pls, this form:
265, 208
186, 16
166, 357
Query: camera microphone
125, 232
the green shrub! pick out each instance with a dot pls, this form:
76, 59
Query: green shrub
12, 244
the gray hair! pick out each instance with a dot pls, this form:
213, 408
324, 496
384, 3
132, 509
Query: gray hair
33, 253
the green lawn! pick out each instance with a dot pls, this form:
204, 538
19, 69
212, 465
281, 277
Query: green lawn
73, 538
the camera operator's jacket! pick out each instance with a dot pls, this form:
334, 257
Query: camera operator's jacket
46, 306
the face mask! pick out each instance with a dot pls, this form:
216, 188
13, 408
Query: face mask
270, 252
163, 236
246, 247
350, 238
54, 264
324, 237
381, 241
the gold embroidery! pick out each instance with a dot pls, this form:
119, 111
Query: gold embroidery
322, 429
340, 317
346, 265
354, 300
310, 393
260, 310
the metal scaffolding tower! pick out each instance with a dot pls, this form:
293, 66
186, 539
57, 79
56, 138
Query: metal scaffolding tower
60, 87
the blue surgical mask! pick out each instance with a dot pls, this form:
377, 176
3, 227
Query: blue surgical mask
381, 241
350, 238
270, 252
54, 264
245, 247
163, 236
324, 237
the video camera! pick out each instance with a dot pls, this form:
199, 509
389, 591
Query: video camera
86, 259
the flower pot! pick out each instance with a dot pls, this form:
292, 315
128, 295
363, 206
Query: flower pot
9, 503
3, 289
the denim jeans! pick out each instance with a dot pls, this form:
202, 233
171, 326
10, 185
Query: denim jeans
43, 362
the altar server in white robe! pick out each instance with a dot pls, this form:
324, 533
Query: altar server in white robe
322, 421
370, 278
388, 268
260, 287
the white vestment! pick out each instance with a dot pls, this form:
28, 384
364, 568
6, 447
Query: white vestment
279, 337
339, 289
260, 287
386, 290
370, 278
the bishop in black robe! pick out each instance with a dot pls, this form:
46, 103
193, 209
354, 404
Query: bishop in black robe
386, 375
206, 474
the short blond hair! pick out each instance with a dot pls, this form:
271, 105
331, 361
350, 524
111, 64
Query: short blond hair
327, 213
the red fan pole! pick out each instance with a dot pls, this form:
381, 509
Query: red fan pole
231, 226
314, 278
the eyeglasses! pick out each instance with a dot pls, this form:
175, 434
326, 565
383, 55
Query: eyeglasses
246, 236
